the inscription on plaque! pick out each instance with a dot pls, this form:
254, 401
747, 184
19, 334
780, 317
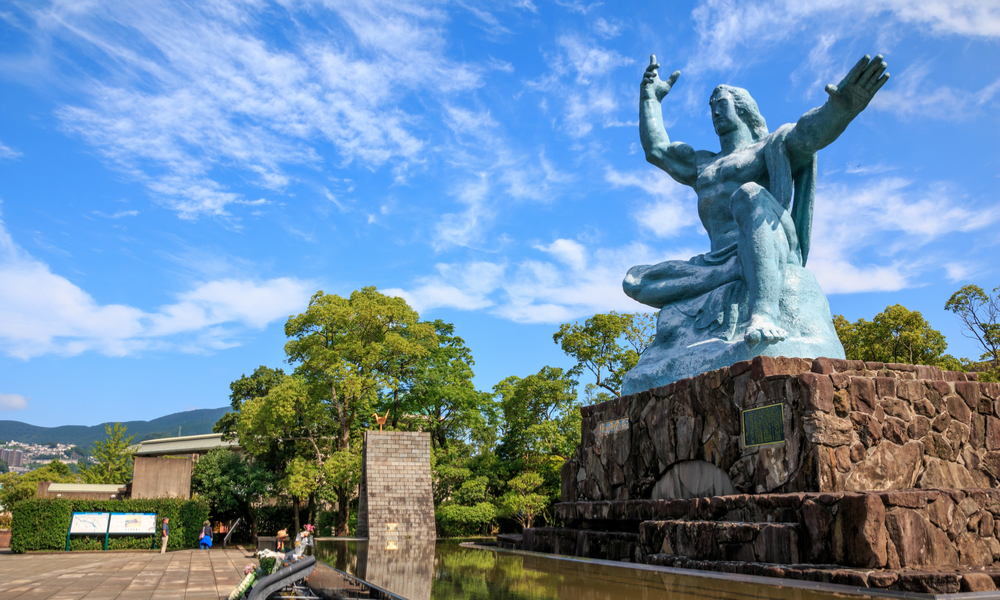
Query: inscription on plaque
764, 425
612, 426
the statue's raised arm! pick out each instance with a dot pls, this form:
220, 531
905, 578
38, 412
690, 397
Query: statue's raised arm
819, 127
676, 158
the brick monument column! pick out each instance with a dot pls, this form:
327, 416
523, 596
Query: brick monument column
395, 493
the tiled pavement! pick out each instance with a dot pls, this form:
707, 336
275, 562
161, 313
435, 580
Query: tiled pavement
180, 575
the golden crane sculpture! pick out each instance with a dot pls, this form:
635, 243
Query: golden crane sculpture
381, 420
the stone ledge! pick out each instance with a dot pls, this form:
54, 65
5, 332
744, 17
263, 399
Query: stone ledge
849, 426
909, 580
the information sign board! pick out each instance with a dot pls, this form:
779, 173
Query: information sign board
764, 425
134, 523
89, 522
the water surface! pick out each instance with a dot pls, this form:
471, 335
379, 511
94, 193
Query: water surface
445, 571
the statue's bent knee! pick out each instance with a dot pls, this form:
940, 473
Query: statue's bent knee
749, 195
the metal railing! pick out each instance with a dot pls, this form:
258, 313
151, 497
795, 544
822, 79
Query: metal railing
360, 585
225, 540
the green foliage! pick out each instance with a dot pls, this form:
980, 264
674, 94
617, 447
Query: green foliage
980, 316
41, 524
3, 466
234, 485
540, 416
607, 345
895, 335
522, 502
5, 520
15, 488
114, 461
455, 520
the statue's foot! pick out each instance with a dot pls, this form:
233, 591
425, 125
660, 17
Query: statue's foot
761, 329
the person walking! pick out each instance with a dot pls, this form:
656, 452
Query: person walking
205, 539
166, 534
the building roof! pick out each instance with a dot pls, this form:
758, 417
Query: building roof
109, 488
188, 444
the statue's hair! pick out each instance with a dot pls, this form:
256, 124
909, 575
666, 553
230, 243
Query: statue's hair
746, 108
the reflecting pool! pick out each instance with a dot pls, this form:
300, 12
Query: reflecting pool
445, 571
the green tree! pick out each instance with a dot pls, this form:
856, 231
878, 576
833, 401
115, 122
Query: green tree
539, 416
345, 351
114, 459
3, 466
235, 484
980, 316
257, 385
522, 502
607, 345
438, 390
15, 488
895, 335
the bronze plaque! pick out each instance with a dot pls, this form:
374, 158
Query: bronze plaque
764, 425
612, 426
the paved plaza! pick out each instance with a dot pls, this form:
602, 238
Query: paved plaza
180, 575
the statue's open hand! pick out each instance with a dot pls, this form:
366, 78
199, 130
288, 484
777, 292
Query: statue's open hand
858, 88
652, 87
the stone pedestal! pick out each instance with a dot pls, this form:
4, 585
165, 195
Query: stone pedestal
846, 426
867, 474
396, 502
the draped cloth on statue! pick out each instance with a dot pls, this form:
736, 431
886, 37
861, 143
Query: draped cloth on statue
701, 332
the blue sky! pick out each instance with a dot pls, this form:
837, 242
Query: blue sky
176, 179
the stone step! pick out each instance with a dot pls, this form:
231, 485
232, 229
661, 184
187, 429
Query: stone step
721, 540
948, 581
609, 545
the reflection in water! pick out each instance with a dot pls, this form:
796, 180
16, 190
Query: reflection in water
447, 571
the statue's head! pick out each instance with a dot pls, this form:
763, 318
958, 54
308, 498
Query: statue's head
742, 105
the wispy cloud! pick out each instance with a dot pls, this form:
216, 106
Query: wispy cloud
193, 89
42, 312
565, 281
915, 94
8, 153
873, 250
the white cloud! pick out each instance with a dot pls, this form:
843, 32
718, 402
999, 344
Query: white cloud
44, 313
607, 29
13, 402
916, 94
8, 153
580, 282
733, 32
864, 235
191, 89
673, 209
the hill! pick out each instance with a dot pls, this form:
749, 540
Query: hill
191, 422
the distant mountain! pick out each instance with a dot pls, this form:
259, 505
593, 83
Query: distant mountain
191, 422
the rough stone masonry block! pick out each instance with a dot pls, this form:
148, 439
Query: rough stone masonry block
396, 486
847, 426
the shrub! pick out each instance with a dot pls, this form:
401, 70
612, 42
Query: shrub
41, 524
456, 521
5, 519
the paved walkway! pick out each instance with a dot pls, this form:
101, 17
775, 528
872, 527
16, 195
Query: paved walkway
180, 575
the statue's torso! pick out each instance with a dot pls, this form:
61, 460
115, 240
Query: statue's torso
719, 176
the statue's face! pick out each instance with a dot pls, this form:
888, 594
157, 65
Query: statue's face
724, 116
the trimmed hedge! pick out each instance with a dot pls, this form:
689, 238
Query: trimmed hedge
41, 524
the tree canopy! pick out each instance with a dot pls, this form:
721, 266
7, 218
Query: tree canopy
895, 335
114, 459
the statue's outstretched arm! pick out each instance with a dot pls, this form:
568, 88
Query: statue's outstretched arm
677, 158
819, 127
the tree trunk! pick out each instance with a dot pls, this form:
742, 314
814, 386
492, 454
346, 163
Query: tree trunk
343, 511
295, 504
311, 510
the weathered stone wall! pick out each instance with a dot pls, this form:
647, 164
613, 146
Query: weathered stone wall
162, 477
396, 485
848, 426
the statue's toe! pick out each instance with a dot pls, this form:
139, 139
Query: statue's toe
753, 337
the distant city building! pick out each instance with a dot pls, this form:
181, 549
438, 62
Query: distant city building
11, 457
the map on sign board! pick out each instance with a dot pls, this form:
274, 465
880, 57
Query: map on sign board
140, 523
89, 523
